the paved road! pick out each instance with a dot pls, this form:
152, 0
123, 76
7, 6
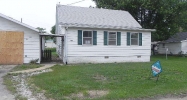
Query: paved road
4, 93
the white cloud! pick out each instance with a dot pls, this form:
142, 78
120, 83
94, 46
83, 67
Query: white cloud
37, 13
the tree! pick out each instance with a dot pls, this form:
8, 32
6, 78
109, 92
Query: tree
166, 16
53, 29
41, 30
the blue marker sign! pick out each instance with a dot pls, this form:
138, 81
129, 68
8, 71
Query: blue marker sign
156, 68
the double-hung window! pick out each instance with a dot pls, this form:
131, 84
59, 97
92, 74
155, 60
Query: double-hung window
112, 38
134, 38
87, 37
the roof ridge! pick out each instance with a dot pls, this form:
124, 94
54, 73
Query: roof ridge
92, 8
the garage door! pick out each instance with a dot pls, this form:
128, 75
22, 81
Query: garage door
11, 47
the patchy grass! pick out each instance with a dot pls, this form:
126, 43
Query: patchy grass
119, 80
53, 50
9, 84
25, 67
19, 97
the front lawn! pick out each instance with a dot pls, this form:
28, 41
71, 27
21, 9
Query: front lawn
114, 80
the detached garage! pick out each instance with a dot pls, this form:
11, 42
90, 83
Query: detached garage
19, 43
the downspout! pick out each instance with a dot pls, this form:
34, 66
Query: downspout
66, 46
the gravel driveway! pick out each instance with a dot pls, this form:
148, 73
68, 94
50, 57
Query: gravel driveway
4, 93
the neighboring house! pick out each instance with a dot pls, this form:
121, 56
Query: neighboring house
50, 44
19, 43
93, 35
176, 44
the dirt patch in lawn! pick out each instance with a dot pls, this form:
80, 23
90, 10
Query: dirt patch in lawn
91, 94
99, 77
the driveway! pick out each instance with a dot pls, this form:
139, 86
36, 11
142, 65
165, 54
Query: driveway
4, 93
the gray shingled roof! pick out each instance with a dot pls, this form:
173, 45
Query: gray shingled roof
178, 37
72, 16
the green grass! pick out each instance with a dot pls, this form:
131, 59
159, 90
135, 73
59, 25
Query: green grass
25, 67
53, 50
122, 80
9, 84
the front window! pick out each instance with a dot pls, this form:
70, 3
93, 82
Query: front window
134, 38
112, 38
87, 37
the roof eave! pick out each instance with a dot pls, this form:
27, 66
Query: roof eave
109, 27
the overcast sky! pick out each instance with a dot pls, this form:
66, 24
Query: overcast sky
37, 13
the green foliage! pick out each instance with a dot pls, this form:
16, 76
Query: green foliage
53, 29
34, 61
41, 30
9, 84
122, 80
166, 16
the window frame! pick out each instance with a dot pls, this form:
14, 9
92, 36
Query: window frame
87, 37
108, 38
134, 38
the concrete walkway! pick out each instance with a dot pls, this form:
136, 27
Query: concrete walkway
46, 66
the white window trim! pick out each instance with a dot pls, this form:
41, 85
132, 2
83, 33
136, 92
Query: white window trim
108, 39
131, 38
83, 37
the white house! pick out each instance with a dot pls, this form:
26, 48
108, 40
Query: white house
50, 44
176, 44
93, 35
19, 43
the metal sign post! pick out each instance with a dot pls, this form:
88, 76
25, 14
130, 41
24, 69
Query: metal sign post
166, 53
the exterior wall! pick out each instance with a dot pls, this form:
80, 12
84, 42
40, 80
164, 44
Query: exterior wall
31, 39
184, 46
174, 48
59, 48
98, 53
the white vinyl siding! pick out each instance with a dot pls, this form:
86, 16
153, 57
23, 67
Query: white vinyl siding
184, 46
173, 48
101, 51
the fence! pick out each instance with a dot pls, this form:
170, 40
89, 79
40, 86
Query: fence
46, 55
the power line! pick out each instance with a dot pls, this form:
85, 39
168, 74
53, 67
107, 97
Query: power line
75, 2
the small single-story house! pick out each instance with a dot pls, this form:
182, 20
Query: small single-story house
93, 35
176, 44
19, 42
